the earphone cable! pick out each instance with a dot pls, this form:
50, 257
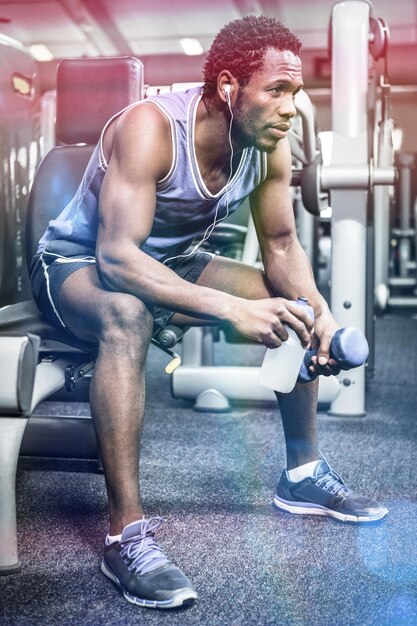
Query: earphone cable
210, 228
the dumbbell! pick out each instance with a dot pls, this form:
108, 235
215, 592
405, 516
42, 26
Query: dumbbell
348, 347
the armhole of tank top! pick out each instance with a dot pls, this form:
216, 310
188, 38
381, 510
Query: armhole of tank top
102, 161
170, 118
264, 167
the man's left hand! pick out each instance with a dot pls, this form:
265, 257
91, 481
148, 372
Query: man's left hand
325, 327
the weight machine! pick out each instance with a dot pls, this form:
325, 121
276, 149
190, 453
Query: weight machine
402, 278
357, 38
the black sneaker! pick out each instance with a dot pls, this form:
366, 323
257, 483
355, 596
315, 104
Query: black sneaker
325, 493
139, 567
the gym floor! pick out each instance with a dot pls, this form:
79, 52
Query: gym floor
212, 477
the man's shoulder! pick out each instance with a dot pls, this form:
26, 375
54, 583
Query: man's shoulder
141, 118
176, 101
142, 136
279, 161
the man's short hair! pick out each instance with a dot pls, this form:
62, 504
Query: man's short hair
240, 47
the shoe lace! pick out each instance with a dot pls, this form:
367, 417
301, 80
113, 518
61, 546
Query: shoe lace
333, 483
142, 550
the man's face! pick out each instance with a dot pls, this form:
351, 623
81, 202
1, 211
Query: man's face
265, 106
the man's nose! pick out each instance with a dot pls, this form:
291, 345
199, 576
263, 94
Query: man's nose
287, 108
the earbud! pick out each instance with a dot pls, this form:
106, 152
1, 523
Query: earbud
227, 89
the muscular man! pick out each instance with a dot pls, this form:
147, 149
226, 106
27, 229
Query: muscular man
123, 258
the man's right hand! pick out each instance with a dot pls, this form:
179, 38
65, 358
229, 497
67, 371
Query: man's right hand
263, 321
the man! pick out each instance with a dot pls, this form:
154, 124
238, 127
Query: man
122, 259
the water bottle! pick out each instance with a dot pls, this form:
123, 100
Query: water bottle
281, 366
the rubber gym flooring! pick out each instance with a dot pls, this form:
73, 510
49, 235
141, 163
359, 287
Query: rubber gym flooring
213, 477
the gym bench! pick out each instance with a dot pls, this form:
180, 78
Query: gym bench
36, 358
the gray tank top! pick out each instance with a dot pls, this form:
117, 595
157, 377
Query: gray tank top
185, 208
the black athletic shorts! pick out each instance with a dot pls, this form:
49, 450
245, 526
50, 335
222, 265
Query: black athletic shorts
48, 272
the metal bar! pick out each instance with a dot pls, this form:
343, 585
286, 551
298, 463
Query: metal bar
382, 217
355, 176
92, 27
103, 18
350, 52
237, 383
402, 281
305, 109
11, 433
403, 302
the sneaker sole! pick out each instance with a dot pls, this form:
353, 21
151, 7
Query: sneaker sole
316, 509
183, 597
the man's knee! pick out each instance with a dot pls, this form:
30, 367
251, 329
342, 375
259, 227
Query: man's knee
124, 318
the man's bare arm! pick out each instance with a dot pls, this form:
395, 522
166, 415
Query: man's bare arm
287, 266
127, 208
141, 155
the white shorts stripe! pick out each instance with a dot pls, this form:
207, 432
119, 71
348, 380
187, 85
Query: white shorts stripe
60, 259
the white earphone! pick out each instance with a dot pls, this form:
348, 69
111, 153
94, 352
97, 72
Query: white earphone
227, 89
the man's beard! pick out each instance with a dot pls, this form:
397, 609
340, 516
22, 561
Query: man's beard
267, 149
251, 140
247, 138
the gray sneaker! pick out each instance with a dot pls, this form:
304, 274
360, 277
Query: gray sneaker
139, 567
325, 493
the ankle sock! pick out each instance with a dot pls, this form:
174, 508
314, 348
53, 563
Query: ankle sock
302, 471
112, 538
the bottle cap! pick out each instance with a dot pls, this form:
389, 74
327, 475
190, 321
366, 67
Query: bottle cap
303, 301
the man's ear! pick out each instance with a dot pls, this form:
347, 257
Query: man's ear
225, 86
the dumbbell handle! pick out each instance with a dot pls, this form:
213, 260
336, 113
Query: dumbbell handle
348, 347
